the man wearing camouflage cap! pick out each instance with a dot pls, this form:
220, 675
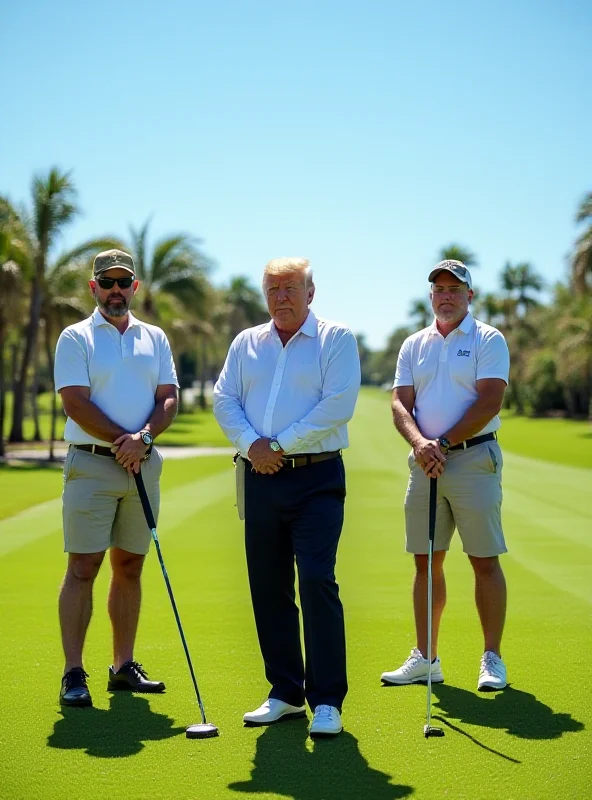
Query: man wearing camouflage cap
118, 385
449, 387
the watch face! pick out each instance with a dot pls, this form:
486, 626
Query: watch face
147, 438
275, 446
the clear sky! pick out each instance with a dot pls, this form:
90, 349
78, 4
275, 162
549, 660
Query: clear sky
364, 135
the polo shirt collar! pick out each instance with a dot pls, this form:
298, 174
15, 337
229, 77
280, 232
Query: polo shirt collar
467, 323
98, 319
464, 327
309, 327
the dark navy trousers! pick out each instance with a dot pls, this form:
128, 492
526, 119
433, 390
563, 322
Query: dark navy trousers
295, 517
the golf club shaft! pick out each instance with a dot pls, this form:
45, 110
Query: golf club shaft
152, 525
431, 536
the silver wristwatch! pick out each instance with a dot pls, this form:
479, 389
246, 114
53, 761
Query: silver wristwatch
275, 445
147, 438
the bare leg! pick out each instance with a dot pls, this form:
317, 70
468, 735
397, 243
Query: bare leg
490, 597
420, 599
75, 604
125, 595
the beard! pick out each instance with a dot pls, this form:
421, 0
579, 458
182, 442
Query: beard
119, 309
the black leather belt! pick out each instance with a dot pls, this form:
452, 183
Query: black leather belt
98, 450
487, 437
305, 459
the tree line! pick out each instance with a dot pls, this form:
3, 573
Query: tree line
550, 341
44, 289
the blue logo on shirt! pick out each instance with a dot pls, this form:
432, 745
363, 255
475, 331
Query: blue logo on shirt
464, 353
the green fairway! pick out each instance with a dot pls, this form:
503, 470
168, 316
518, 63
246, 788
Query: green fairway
530, 742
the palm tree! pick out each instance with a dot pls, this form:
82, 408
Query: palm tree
54, 206
421, 311
488, 307
518, 281
175, 267
245, 305
581, 262
66, 300
456, 252
11, 282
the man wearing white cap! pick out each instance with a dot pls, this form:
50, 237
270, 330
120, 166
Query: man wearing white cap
449, 387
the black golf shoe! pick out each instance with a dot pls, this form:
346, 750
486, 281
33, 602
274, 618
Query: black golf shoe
74, 691
131, 677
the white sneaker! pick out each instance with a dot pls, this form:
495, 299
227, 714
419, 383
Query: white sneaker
414, 670
273, 710
492, 673
325, 722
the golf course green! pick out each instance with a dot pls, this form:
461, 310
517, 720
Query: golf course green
531, 742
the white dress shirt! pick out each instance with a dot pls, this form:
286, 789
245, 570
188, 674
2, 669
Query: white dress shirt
444, 372
302, 394
121, 370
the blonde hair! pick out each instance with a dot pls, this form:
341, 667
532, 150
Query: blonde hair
285, 266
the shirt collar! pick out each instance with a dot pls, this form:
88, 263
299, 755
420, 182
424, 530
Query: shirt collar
464, 327
309, 327
98, 319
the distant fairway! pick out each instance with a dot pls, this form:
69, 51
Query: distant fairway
531, 742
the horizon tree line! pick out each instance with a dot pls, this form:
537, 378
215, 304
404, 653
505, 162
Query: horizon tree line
43, 289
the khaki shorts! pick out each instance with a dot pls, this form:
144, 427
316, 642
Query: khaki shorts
469, 498
100, 503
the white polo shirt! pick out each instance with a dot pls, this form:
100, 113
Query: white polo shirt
121, 370
444, 372
303, 394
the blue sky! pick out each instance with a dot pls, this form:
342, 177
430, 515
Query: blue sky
363, 135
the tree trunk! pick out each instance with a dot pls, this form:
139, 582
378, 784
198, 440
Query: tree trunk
203, 403
18, 407
34, 394
54, 403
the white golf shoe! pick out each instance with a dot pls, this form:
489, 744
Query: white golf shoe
271, 711
325, 722
492, 673
414, 670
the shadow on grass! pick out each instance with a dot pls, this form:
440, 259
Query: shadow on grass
333, 769
116, 733
519, 713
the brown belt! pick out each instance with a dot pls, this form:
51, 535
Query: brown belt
305, 459
98, 450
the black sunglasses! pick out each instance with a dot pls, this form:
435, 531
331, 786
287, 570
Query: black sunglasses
109, 283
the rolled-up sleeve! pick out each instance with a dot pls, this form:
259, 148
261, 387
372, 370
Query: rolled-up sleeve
341, 385
228, 408
71, 362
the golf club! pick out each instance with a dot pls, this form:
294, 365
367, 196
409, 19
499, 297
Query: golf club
205, 729
429, 729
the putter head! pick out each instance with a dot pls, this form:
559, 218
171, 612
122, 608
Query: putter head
431, 730
202, 731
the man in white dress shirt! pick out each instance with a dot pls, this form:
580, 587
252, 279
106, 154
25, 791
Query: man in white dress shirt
449, 388
284, 397
118, 385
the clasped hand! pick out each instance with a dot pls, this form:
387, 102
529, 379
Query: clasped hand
129, 451
263, 458
430, 458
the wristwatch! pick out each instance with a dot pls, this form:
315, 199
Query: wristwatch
444, 444
275, 445
147, 438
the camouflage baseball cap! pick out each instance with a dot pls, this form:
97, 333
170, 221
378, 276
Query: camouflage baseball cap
456, 268
109, 259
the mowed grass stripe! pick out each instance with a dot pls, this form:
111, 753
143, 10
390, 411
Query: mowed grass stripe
177, 504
